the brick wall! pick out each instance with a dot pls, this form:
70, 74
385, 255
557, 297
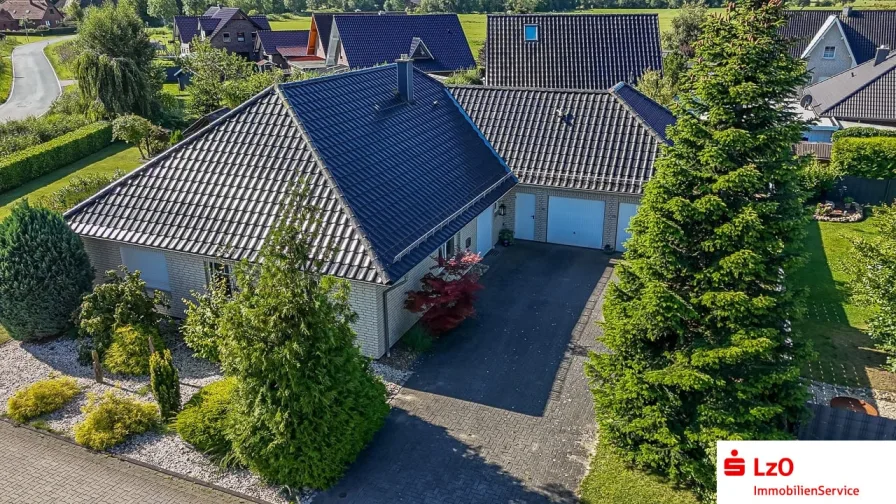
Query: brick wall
236, 25
611, 209
367, 301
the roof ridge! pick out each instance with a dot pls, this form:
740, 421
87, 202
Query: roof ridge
631, 110
165, 154
854, 91
575, 14
525, 88
362, 236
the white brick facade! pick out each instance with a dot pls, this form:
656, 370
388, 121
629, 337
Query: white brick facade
611, 209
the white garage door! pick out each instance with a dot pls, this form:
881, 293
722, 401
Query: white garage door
626, 212
573, 221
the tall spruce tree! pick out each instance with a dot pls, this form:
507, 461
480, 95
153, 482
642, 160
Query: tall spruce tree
698, 325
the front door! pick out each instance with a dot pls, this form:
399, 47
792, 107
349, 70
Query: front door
484, 240
524, 220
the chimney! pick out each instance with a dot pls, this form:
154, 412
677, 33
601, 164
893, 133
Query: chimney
881, 54
405, 67
847, 10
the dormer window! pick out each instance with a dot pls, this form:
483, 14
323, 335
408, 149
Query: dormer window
530, 32
226, 36
829, 52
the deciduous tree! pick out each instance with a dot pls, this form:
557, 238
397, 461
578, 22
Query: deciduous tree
446, 299
162, 9
699, 323
686, 28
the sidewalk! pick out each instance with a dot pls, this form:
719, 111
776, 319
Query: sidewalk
39, 468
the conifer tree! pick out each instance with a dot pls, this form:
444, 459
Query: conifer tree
698, 325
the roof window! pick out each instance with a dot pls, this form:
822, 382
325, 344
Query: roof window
530, 32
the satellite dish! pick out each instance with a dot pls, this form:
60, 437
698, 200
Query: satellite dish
806, 102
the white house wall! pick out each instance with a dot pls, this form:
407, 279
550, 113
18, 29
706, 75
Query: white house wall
824, 68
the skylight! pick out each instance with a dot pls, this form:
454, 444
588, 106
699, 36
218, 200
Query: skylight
530, 32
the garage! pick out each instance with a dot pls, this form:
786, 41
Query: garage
626, 212
575, 221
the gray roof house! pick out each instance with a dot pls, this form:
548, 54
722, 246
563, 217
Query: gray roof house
582, 158
865, 94
400, 176
570, 51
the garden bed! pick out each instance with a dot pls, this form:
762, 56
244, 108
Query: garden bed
22, 364
847, 212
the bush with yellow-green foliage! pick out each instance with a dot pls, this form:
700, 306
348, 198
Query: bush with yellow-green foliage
42, 397
129, 352
203, 421
112, 418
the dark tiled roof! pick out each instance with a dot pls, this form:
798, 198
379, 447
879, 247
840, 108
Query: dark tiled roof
187, 27
324, 22
862, 93
573, 51
212, 21
830, 424
591, 140
372, 40
270, 40
261, 22
208, 24
388, 175
866, 30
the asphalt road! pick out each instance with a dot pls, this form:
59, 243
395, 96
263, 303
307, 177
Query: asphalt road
34, 84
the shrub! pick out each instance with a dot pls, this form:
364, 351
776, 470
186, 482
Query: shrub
44, 272
203, 421
19, 135
862, 132
470, 76
418, 339
28, 164
137, 131
112, 418
164, 382
42, 397
820, 177
873, 157
129, 352
120, 301
77, 190
200, 328
447, 299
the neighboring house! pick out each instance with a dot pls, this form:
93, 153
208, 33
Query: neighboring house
582, 158
224, 27
33, 12
322, 25
399, 176
834, 41
7, 22
436, 42
864, 95
280, 48
571, 51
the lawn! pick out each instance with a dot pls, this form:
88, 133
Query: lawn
833, 323
105, 162
609, 481
62, 71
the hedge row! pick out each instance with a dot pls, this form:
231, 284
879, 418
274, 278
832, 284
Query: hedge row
28, 164
863, 132
37, 32
871, 157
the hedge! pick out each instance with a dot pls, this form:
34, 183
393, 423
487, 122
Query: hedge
35, 32
863, 132
873, 157
28, 164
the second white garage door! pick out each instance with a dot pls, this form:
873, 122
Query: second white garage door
573, 221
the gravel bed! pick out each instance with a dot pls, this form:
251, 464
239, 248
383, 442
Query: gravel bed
884, 401
393, 378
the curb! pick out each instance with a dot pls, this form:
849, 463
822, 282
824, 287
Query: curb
139, 463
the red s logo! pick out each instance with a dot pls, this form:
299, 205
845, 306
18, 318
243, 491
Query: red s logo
735, 466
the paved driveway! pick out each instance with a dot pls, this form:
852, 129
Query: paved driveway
34, 84
500, 411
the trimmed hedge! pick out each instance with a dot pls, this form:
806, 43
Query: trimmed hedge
863, 132
30, 163
872, 157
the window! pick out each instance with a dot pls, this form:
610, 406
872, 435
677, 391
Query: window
253, 35
226, 36
829, 52
530, 32
240, 37
219, 272
151, 265
469, 243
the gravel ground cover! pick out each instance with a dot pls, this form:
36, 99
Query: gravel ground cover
884, 401
24, 363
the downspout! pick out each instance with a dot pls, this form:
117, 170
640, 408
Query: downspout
386, 314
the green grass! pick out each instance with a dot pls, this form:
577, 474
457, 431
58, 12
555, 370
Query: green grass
105, 162
4, 336
62, 71
833, 323
6, 48
609, 481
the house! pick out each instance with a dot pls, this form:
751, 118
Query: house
863, 95
436, 42
398, 170
832, 41
570, 51
7, 22
225, 28
582, 158
32, 12
322, 25
280, 48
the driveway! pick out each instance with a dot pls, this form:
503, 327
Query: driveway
34, 83
500, 410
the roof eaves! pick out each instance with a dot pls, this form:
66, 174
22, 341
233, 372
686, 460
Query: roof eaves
152, 162
831, 21
820, 111
377, 264
613, 91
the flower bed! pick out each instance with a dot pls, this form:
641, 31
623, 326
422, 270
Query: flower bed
829, 212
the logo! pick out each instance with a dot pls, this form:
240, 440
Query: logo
734, 465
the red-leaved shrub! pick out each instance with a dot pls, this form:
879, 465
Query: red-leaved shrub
446, 298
